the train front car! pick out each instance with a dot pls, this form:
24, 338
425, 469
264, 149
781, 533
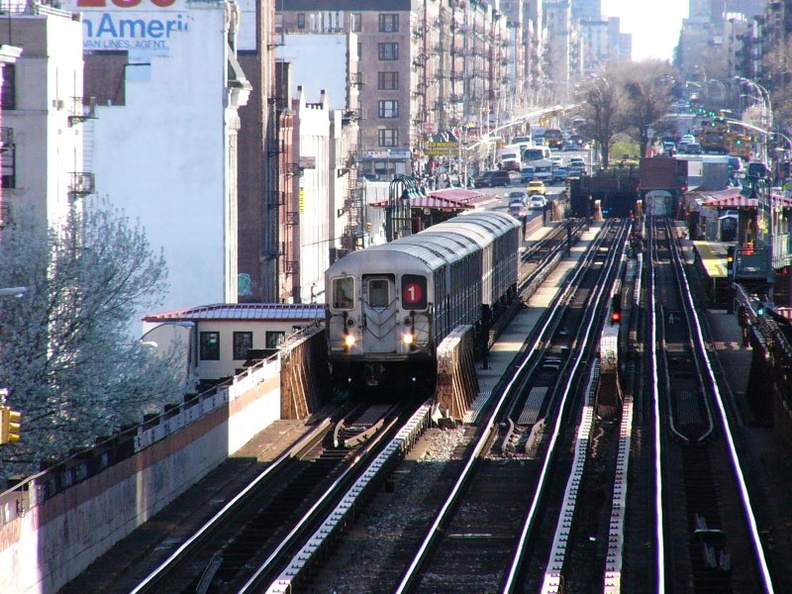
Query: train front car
379, 316
391, 305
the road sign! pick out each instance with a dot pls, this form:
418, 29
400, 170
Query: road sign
438, 149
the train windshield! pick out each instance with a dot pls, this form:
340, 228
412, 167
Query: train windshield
378, 292
343, 292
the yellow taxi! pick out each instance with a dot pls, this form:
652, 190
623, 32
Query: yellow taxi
535, 187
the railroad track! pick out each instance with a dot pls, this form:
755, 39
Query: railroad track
492, 521
252, 529
707, 540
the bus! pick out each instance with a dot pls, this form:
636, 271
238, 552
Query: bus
554, 139
739, 145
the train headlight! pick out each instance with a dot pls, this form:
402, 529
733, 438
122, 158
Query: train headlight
349, 341
408, 339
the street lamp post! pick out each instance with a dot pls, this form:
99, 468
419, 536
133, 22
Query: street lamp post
13, 291
764, 94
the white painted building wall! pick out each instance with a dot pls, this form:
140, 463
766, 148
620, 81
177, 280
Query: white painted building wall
319, 61
167, 156
314, 194
49, 75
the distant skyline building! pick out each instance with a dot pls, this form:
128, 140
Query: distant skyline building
586, 9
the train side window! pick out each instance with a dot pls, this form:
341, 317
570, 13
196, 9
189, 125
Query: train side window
343, 292
378, 292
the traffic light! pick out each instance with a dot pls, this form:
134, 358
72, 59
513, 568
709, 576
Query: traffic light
730, 260
10, 425
760, 310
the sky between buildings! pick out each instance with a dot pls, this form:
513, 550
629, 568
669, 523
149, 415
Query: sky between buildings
655, 26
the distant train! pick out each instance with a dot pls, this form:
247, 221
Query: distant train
390, 306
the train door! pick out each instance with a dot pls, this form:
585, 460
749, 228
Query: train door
659, 203
379, 314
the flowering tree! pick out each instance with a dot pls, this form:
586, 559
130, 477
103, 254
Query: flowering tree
66, 353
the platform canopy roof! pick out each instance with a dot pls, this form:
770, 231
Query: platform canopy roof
734, 198
458, 198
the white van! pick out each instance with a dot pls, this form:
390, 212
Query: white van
510, 153
543, 170
535, 153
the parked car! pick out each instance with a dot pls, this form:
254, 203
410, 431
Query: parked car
491, 179
527, 174
518, 195
538, 202
536, 187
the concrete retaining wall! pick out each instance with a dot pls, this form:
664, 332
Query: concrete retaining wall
55, 524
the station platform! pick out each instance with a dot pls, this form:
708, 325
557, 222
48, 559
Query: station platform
712, 255
710, 258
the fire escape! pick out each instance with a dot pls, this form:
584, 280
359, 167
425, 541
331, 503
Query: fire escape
353, 206
352, 238
83, 183
291, 220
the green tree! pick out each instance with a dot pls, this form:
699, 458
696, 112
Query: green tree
66, 352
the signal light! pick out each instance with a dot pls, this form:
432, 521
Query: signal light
730, 260
616, 309
10, 425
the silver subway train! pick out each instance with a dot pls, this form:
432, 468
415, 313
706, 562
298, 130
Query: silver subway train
389, 306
